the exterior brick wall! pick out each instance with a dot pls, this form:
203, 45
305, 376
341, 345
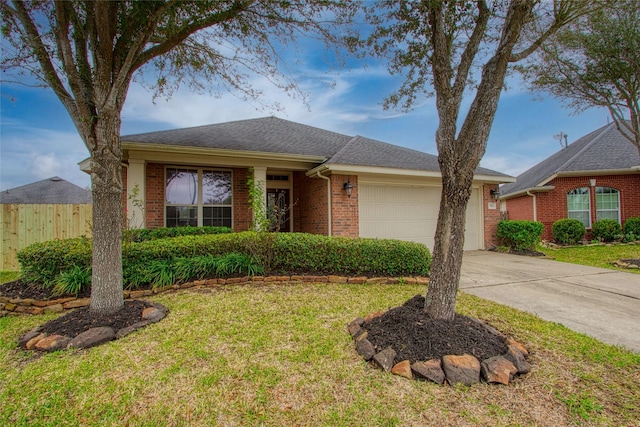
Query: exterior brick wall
310, 213
520, 208
491, 216
242, 213
344, 209
154, 197
552, 206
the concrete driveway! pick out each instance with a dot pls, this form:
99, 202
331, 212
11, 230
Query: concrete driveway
602, 303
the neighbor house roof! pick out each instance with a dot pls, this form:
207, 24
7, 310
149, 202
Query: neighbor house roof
274, 135
53, 190
603, 151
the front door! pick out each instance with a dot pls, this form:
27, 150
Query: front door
278, 210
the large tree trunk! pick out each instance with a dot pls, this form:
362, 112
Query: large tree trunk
448, 247
106, 176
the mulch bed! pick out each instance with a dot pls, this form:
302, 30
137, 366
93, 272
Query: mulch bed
634, 261
80, 320
24, 290
416, 337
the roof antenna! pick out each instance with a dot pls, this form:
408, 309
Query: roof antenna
560, 136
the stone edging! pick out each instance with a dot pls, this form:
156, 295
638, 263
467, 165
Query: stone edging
32, 306
452, 369
35, 339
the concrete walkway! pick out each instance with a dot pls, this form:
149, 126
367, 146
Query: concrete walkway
602, 303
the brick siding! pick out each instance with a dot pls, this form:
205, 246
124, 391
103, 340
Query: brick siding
344, 209
491, 216
310, 213
552, 206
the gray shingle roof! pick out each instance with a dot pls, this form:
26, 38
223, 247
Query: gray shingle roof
53, 190
603, 149
274, 135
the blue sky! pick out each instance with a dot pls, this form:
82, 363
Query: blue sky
38, 139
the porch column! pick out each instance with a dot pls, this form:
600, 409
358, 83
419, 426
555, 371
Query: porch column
136, 192
260, 181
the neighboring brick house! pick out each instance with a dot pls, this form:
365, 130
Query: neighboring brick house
595, 177
198, 176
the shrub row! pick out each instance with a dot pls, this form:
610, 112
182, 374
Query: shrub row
520, 235
144, 234
571, 231
43, 263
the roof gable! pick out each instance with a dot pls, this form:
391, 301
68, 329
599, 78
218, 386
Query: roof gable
604, 149
54, 190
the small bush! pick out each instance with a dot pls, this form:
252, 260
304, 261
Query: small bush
520, 235
568, 231
632, 226
73, 282
606, 230
43, 262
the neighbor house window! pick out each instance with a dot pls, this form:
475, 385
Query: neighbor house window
198, 197
578, 206
607, 203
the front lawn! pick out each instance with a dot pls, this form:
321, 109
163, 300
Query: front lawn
596, 256
281, 355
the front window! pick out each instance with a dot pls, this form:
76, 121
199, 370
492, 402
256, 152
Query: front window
578, 206
198, 197
607, 203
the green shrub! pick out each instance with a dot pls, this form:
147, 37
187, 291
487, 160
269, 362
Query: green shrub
568, 231
73, 281
144, 234
606, 230
187, 257
632, 226
519, 235
43, 262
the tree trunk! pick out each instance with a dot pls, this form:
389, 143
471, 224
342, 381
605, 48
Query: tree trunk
106, 176
448, 247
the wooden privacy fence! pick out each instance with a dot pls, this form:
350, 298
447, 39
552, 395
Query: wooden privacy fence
24, 224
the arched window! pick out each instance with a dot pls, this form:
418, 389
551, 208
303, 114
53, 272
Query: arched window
578, 206
607, 203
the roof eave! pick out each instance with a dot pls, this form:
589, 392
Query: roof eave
526, 191
222, 152
381, 170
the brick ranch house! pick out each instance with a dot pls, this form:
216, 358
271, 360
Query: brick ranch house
595, 177
198, 176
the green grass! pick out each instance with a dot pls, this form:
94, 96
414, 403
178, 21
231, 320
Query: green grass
596, 256
281, 355
8, 276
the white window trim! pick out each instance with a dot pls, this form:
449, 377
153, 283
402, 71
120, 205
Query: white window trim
608, 210
589, 205
199, 205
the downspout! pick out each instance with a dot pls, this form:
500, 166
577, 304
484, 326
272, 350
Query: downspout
328, 200
535, 210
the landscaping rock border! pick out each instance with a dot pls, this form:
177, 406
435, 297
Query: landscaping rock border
35, 339
31, 306
450, 369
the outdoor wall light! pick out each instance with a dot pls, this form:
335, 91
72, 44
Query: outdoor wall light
348, 187
495, 194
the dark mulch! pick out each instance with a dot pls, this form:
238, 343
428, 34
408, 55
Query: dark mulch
416, 337
24, 290
634, 261
77, 321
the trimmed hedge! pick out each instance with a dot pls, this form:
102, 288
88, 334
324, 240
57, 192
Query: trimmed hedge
520, 235
568, 231
144, 234
42, 263
606, 230
632, 226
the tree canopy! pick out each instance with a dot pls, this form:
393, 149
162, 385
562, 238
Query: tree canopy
88, 52
595, 62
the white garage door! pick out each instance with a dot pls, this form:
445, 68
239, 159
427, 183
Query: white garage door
409, 213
